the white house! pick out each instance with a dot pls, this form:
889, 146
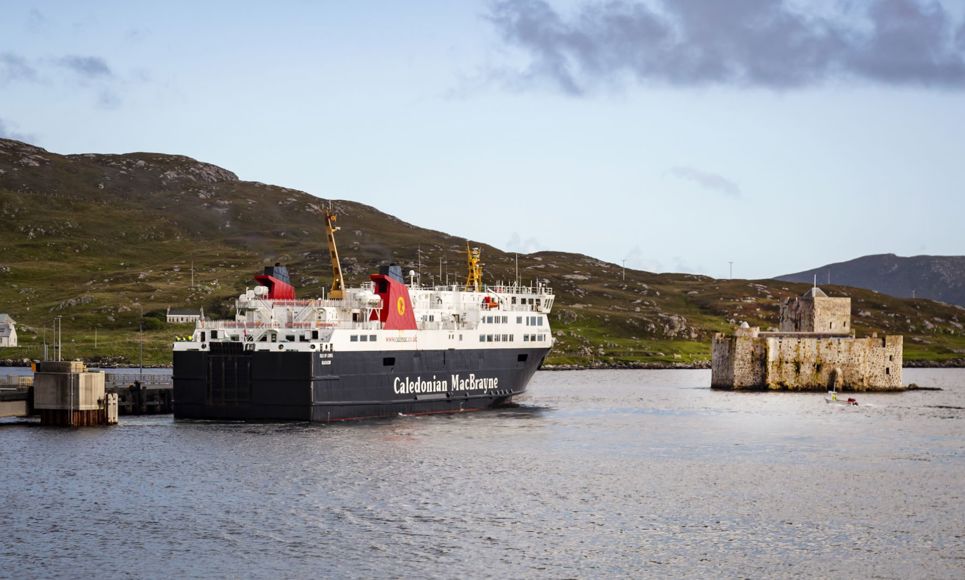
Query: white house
8, 331
183, 315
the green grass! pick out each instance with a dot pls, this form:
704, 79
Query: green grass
118, 239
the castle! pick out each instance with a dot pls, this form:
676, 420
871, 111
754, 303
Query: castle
814, 350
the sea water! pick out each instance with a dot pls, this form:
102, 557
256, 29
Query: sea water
595, 473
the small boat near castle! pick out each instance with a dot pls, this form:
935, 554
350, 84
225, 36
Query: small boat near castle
832, 399
382, 349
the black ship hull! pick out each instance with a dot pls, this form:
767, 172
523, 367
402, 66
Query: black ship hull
230, 383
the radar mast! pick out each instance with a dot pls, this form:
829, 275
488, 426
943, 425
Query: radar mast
338, 283
474, 277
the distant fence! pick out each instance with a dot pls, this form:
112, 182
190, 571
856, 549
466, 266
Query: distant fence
125, 379
110, 380
18, 381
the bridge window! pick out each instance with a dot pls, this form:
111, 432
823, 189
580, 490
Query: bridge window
371, 338
364, 338
354, 338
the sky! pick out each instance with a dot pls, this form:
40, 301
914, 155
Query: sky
669, 135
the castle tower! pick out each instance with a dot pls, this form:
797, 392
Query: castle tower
814, 311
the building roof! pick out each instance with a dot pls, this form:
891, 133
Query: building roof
6, 318
184, 312
814, 292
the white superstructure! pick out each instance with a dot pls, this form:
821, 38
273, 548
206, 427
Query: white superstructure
447, 317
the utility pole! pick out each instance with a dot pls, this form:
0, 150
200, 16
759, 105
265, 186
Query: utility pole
517, 269
624, 271
731, 277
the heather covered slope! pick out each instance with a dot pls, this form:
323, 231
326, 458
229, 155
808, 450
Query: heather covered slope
101, 239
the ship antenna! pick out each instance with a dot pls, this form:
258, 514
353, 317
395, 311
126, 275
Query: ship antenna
474, 277
338, 283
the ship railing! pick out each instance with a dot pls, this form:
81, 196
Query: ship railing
496, 288
308, 325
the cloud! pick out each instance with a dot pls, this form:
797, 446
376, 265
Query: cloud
759, 43
8, 133
708, 180
14, 67
91, 73
517, 244
86, 66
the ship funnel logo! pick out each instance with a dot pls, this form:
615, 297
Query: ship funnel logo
400, 306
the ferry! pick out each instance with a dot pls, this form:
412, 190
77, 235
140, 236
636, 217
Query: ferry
383, 349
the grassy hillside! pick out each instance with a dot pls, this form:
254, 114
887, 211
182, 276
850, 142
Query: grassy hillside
106, 242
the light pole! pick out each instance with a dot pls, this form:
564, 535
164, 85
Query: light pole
731, 270
59, 335
140, 332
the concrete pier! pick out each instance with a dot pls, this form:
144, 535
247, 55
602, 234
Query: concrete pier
135, 394
67, 394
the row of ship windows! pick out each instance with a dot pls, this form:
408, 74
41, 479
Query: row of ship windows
510, 337
268, 337
362, 338
496, 319
530, 320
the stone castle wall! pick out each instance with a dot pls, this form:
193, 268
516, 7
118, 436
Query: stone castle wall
857, 364
738, 362
758, 361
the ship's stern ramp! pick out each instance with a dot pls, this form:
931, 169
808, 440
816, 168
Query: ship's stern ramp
229, 382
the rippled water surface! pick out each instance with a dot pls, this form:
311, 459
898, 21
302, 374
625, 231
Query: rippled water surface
616, 473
